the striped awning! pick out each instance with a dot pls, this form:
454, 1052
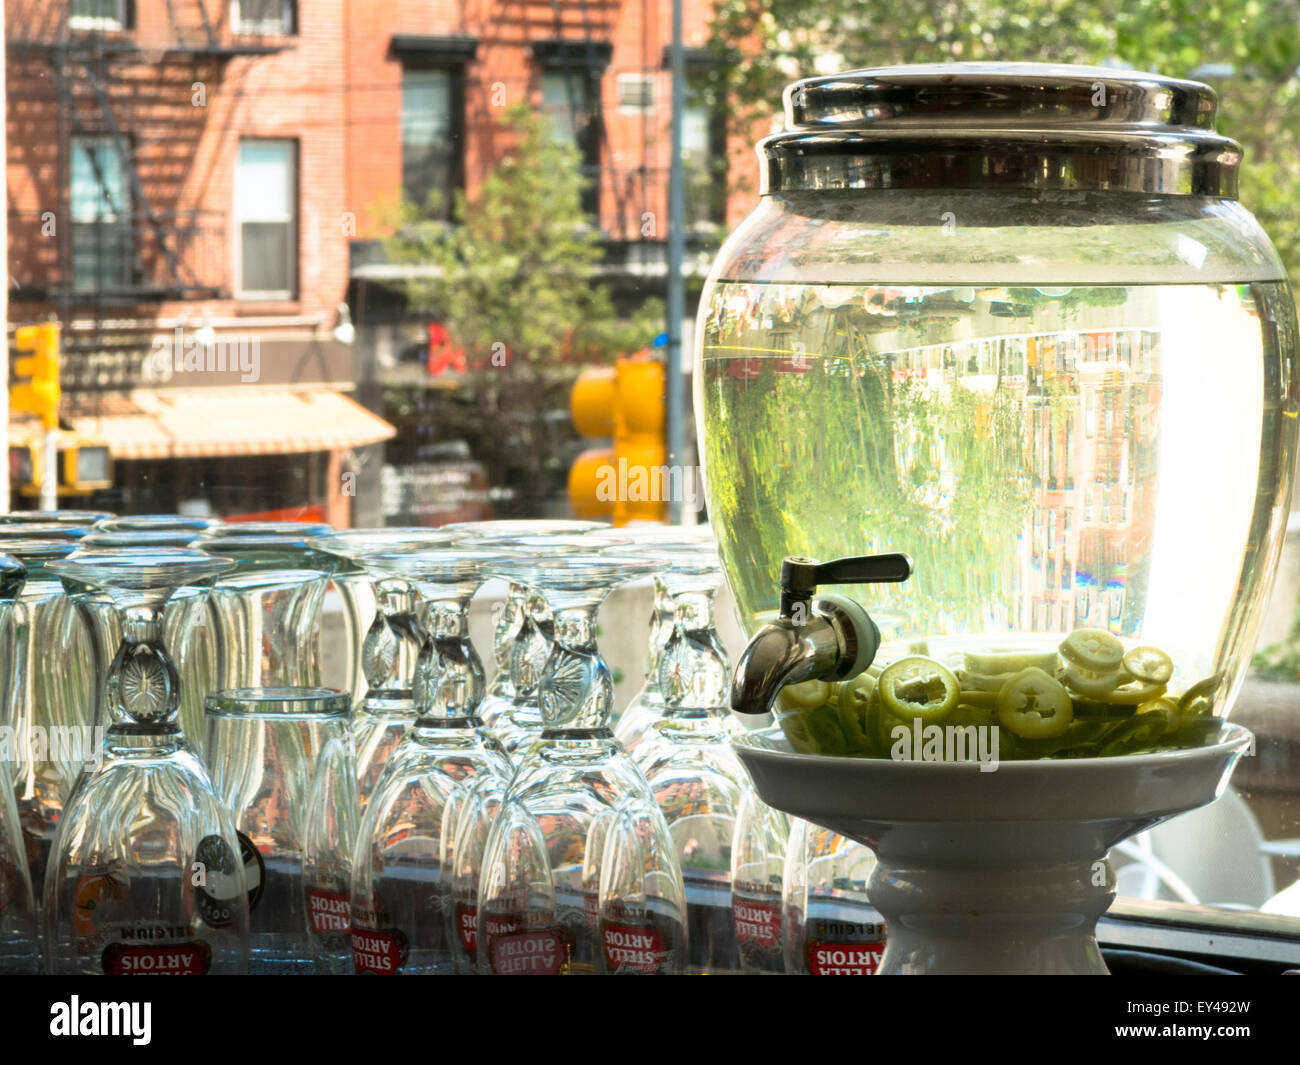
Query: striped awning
203, 423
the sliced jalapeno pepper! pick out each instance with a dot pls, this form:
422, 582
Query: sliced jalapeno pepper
806, 695
1149, 664
1137, 733
1011, 660
1092, 685
1199, 698
1034, 705
1135, 692
1095, 650
918, 688
1080, 737
814, 732
851, 700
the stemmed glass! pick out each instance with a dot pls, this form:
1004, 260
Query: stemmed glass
688, 761
393, 637
511, 616
674, 542
186, 631
75, 518
20, 942
758, 851
266, 611
578, 867
50, 688
831, 928
402, 912
519, 724
145, 873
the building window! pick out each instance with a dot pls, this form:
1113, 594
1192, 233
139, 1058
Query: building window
262, 17
97, 14
103, 250
432, 135
266, 197
569, 101
570, 88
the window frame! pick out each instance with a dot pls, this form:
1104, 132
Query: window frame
288, 26
456, 79
121, 226
99, 23
293, 254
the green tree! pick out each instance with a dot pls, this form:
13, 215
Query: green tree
781, 40
513, 279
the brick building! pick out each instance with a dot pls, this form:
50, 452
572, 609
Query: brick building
192, 190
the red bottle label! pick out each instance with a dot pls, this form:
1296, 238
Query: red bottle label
842, 959
156, 959
328, 911
634, 947
378, 953
757, 922
467, 927
526, 953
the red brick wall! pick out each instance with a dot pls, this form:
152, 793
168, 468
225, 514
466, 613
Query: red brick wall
336, 89
638, 31
185, 154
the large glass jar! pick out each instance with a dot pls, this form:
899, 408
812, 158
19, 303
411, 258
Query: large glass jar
1012, 321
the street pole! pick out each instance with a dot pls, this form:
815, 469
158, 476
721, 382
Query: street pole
676, 251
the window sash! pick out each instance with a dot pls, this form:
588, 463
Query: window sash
265, 213
262, 17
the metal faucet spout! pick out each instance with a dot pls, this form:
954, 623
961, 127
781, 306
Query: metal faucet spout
779, 654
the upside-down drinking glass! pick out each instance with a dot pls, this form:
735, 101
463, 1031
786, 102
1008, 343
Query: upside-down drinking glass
145, 874
512, 615
20, 941
579, 873
391, 644
402, 906
264, 748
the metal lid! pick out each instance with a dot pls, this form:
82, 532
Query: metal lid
1000, 125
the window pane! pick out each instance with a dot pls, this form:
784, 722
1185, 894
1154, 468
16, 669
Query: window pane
263, 185
565, 102
429, 150
263, 16
264, 252
102, 13
98, 181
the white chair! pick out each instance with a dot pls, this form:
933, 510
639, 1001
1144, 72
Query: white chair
1211, 855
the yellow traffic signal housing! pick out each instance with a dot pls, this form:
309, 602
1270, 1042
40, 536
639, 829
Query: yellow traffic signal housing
85, 466
40, 394
630, 481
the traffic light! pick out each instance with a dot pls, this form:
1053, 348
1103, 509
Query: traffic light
629, 481
40, 393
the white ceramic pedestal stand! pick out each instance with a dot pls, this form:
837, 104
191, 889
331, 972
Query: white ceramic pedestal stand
990, 872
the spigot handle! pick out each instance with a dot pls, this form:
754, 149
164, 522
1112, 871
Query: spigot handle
801, 576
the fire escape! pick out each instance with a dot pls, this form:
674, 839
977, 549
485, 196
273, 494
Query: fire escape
105, 122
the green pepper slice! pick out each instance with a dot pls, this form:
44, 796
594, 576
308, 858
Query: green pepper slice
1199, 698
918, 687
806, 695
1092, 685
1095, 650
1034, 705
1138, 733
1010, 660
814, 732
1149, 664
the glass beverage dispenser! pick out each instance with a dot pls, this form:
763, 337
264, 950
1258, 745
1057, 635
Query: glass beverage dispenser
1011, 320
